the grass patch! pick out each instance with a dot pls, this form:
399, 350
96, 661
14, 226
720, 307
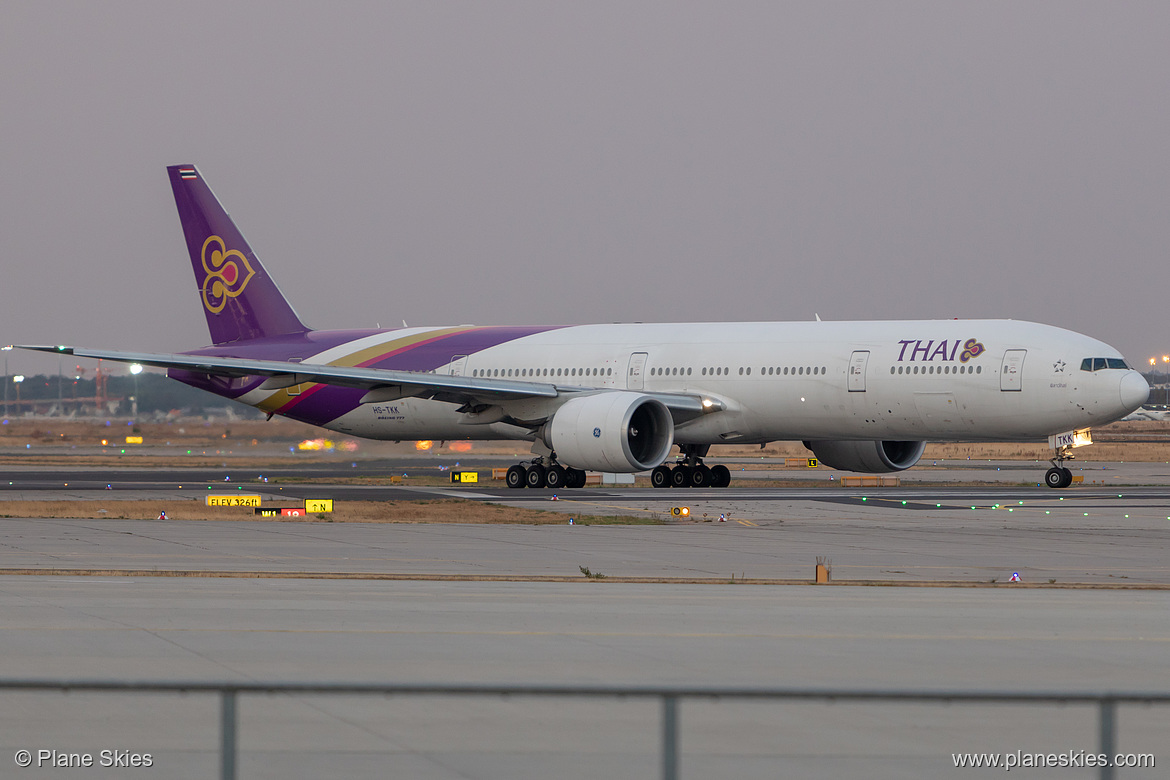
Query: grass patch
431, 511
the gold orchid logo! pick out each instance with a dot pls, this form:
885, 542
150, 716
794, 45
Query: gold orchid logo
228, 273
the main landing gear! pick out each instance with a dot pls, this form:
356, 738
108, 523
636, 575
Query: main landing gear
544, 472
1058, 476
690, 471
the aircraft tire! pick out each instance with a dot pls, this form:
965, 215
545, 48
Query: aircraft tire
680, 476
535, 478
1054, 478
574, 478
516, 477
1067, 478
660, 477
700, 477
555, 477
720, 476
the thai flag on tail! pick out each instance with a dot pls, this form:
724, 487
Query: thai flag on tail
186, 173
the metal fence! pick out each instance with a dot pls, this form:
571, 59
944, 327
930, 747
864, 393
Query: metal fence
670, 697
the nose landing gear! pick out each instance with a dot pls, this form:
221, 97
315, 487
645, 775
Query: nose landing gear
1058, 476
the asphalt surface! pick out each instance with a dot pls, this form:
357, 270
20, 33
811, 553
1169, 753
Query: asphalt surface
844, 637
583, 631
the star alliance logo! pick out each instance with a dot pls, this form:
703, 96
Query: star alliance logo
1058, 366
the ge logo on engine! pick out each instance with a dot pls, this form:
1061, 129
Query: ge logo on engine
597, 433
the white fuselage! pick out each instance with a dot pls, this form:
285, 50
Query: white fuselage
885, 380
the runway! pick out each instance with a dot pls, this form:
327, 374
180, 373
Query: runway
586, 630
920, 531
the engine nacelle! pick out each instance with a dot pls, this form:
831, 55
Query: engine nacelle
617, 431
869, 457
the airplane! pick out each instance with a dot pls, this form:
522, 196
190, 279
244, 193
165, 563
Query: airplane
861, 396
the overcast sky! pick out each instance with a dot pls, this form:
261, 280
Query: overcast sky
552, 162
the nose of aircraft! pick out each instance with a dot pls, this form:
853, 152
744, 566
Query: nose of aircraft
1134, 391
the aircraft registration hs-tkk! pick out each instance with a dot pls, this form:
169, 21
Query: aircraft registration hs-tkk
862, 396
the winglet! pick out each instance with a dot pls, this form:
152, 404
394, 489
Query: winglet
240, 299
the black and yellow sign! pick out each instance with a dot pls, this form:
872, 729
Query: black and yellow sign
318, 505
465, 476
680, 511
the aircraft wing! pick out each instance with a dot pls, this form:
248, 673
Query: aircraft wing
382, 384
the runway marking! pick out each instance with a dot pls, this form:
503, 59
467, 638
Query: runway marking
747, 523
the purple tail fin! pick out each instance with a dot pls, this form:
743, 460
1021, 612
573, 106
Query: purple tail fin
239, 297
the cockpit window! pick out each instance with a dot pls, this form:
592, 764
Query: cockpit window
1097, 364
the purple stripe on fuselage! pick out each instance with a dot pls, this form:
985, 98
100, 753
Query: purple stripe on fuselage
424, 355
322, 403
429, 355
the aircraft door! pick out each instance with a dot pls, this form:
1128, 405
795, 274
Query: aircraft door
458, 365
857, 366
1011, 373
635, 374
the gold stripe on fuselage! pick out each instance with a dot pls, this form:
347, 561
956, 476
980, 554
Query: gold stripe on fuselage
281, 398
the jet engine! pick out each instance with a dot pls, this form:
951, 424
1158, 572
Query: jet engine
870, 457
616, 431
